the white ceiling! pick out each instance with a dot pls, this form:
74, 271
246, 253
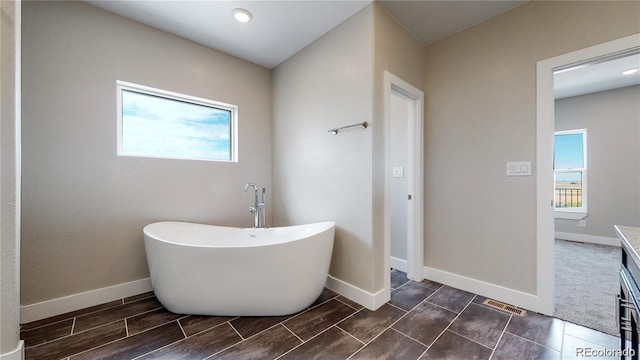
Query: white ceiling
430, 20
596, 76
280, 29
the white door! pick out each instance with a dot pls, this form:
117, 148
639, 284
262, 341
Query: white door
401, 115
404, 178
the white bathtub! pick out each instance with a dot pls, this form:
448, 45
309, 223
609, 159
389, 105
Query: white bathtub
215, 270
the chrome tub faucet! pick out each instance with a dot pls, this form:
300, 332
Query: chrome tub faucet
258, 208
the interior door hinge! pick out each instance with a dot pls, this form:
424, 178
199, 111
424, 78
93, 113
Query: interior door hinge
409, 196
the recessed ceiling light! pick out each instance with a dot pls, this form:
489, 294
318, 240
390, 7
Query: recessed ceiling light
242, 15
630, 71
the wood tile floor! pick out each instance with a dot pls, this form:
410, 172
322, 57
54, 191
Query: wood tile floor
423, 320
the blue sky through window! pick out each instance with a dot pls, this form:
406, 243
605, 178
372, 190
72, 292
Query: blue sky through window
569, 177
568, 151
163, 127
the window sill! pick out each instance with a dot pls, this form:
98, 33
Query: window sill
570, 215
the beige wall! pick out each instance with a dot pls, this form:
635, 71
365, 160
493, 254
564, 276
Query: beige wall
10, 177
319, 176
338, 81
480, 113
84, 207
612, 120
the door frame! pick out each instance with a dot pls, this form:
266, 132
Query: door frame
545, 128
415, 178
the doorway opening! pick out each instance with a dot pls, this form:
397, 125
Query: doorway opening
596, 165
404, 184
545, 129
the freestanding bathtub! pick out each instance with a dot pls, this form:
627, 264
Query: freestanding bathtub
214, 270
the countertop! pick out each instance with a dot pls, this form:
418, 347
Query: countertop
630, 236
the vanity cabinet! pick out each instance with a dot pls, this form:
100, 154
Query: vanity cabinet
628, 301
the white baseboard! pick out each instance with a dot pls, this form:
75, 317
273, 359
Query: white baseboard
496, 292
17, 354
398, 264
369, 300
591, 239
45, 309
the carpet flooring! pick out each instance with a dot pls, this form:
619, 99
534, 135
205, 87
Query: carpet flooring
587, 282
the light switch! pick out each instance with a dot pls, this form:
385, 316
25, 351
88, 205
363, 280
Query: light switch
398, 172
519, 168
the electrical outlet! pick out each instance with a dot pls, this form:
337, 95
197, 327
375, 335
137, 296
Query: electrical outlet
582, 223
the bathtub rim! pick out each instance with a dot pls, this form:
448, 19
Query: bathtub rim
323, 226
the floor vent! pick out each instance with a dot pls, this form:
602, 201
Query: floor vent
504, 307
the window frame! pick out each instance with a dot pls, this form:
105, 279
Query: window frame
574, 213
174, 96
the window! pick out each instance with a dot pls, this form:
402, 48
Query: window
161, 124
570, 170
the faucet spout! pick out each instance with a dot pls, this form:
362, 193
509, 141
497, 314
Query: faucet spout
255, 189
